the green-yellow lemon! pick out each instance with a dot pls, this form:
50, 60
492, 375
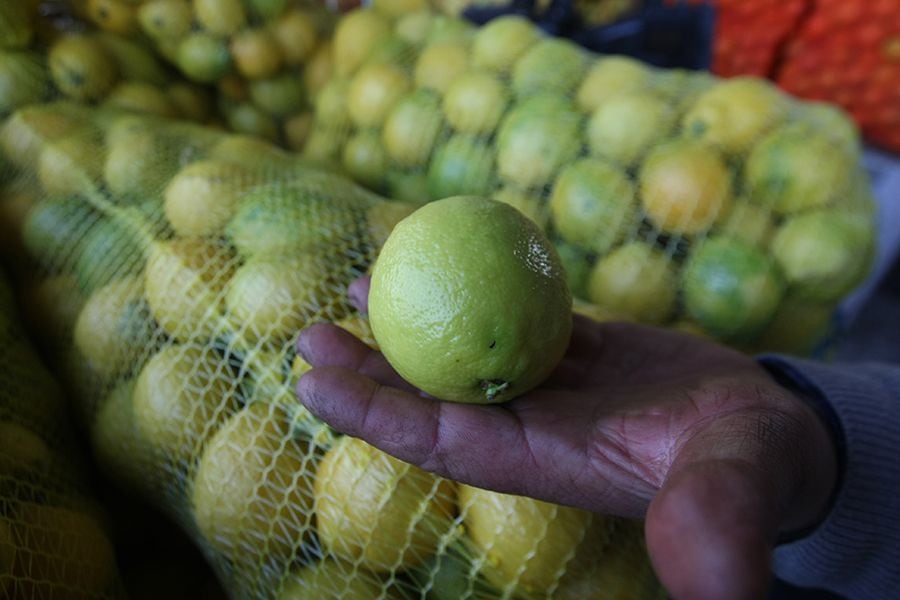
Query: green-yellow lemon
635, 280
469, 301
593, 204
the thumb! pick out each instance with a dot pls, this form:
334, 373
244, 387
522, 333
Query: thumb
710, 531
732, 488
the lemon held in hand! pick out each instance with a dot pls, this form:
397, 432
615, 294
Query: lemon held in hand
469, 301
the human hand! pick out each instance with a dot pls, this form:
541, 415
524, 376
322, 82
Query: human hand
635, 421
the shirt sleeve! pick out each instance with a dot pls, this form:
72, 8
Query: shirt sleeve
855, 551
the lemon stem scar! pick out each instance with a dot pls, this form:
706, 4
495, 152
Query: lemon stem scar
493, 387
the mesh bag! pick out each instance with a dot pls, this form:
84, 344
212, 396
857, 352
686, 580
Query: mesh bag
192, 259
723, 207
49, 53
53, 538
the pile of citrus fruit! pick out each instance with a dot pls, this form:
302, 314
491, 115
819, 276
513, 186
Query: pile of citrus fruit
166, 268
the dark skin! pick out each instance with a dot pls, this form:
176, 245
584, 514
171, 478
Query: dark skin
635, 421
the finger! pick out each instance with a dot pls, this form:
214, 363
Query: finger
732, 487
485, 446
709, 533
324, 344
358, 293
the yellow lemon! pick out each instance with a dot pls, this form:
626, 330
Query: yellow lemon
114, 328
608, 77
200, 200
635, 280
525, 545
377, 510
502, 41
62, 554
734, 114
252, 494
357, 33
440, 64
685, 187
469, 301
184, 284
181, 396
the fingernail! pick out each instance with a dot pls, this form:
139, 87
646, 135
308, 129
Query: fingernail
356, 293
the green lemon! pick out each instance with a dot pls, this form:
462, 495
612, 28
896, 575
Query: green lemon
797, 168
23, 80
552, 65
138, 162
798, 327
70, 165
735, 113
536, 139
463, 165
203, 57
412, 128
331, 104
365, 159
249, 119
331, 579
608, 77
469, 301
165, 19
749, 222
730, 288
134, 61
440, 64
831, 120
499, 43
278, 218
593, 204
82, 68
16, 27
824, 253
137, 96
356, 34
220, 17
373, 92
108, 252
408, 186
54, 230
624, 127
531, 204
475, 102
637, 281
280, 95
266, 10
414, 26
576, 261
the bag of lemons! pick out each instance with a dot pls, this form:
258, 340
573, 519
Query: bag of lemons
264, 57
172, 267
45, 56
53, 537
723, 207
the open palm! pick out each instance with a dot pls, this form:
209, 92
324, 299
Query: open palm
635, 421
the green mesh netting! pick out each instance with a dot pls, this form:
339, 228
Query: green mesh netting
53, 537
